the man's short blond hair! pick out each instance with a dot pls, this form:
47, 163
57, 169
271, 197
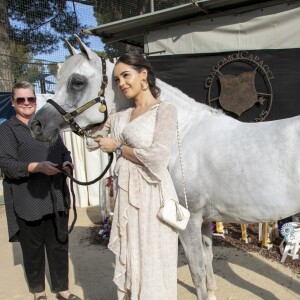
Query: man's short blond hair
22, 85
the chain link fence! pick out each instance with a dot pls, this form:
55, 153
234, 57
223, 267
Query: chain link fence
32, 34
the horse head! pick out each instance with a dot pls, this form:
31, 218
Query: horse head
84, 94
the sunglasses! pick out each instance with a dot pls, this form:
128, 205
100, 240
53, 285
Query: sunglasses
21, 100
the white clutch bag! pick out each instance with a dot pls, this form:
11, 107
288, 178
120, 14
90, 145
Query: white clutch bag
174, 214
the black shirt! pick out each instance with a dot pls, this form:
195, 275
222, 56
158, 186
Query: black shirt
28, 195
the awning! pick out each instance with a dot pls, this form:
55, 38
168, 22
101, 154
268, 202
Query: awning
132, 30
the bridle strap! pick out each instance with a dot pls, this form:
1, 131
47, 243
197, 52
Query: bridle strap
104, 78
69, 117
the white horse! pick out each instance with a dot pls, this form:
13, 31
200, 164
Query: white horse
235, 172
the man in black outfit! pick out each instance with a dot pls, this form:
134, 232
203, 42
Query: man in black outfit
36, 196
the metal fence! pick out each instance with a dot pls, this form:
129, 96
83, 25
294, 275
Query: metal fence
32, 34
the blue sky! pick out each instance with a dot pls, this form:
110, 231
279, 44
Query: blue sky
85, 16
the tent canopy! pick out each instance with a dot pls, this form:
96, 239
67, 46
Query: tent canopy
133, 30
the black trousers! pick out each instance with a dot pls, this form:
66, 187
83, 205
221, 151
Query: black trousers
35, 237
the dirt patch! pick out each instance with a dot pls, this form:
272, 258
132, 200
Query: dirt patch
94, 236
231, 240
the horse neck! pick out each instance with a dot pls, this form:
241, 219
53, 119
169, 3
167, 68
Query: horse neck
109, 91
117, 101
186, 106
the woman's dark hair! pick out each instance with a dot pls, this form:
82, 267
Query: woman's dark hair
139, 62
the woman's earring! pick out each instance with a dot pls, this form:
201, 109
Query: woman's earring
143, 87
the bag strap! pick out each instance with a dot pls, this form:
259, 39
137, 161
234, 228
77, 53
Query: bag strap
181, 167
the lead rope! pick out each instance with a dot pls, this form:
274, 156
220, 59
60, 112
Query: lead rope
62, 236
111, 157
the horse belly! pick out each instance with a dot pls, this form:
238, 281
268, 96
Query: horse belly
243, 179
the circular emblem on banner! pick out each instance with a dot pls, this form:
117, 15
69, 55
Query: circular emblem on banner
240, 85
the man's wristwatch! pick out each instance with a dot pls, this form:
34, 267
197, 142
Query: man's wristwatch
119, 150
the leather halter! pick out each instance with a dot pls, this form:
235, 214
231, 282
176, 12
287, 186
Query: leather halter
69, 117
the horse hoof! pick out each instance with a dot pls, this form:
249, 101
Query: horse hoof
211, 295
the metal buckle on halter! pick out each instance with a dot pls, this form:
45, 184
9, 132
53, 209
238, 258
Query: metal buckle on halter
76, 129
80, 132
68, 118
105, 80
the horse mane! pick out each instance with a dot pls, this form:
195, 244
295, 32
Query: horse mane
183, 101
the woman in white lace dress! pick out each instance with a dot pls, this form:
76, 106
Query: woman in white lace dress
142, 137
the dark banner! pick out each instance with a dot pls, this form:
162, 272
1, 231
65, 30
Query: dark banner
6, 109
250, 86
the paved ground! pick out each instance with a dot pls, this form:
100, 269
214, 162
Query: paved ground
239, 275
85, 274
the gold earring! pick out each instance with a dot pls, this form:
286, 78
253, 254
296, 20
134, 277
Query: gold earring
143, 87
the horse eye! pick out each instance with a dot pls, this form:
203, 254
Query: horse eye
78, 82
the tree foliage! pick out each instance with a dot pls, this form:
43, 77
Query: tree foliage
31, 27
39, 25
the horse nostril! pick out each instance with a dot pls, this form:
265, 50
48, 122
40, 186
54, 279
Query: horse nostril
36, 127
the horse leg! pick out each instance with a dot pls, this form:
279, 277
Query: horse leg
219, 229
266, 243
244, 233
191, 241
207, 247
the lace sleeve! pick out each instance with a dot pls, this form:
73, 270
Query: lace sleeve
156, 157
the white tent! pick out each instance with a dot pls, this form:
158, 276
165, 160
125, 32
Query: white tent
273, 27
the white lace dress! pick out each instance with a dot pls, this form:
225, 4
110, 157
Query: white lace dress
145, 248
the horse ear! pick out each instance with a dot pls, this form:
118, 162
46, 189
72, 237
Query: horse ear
84, 49
71, 49
59, 66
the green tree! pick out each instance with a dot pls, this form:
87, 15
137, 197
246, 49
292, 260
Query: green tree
5, 66
25, 67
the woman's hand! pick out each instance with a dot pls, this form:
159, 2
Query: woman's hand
46, 167
107, 144
67, 166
